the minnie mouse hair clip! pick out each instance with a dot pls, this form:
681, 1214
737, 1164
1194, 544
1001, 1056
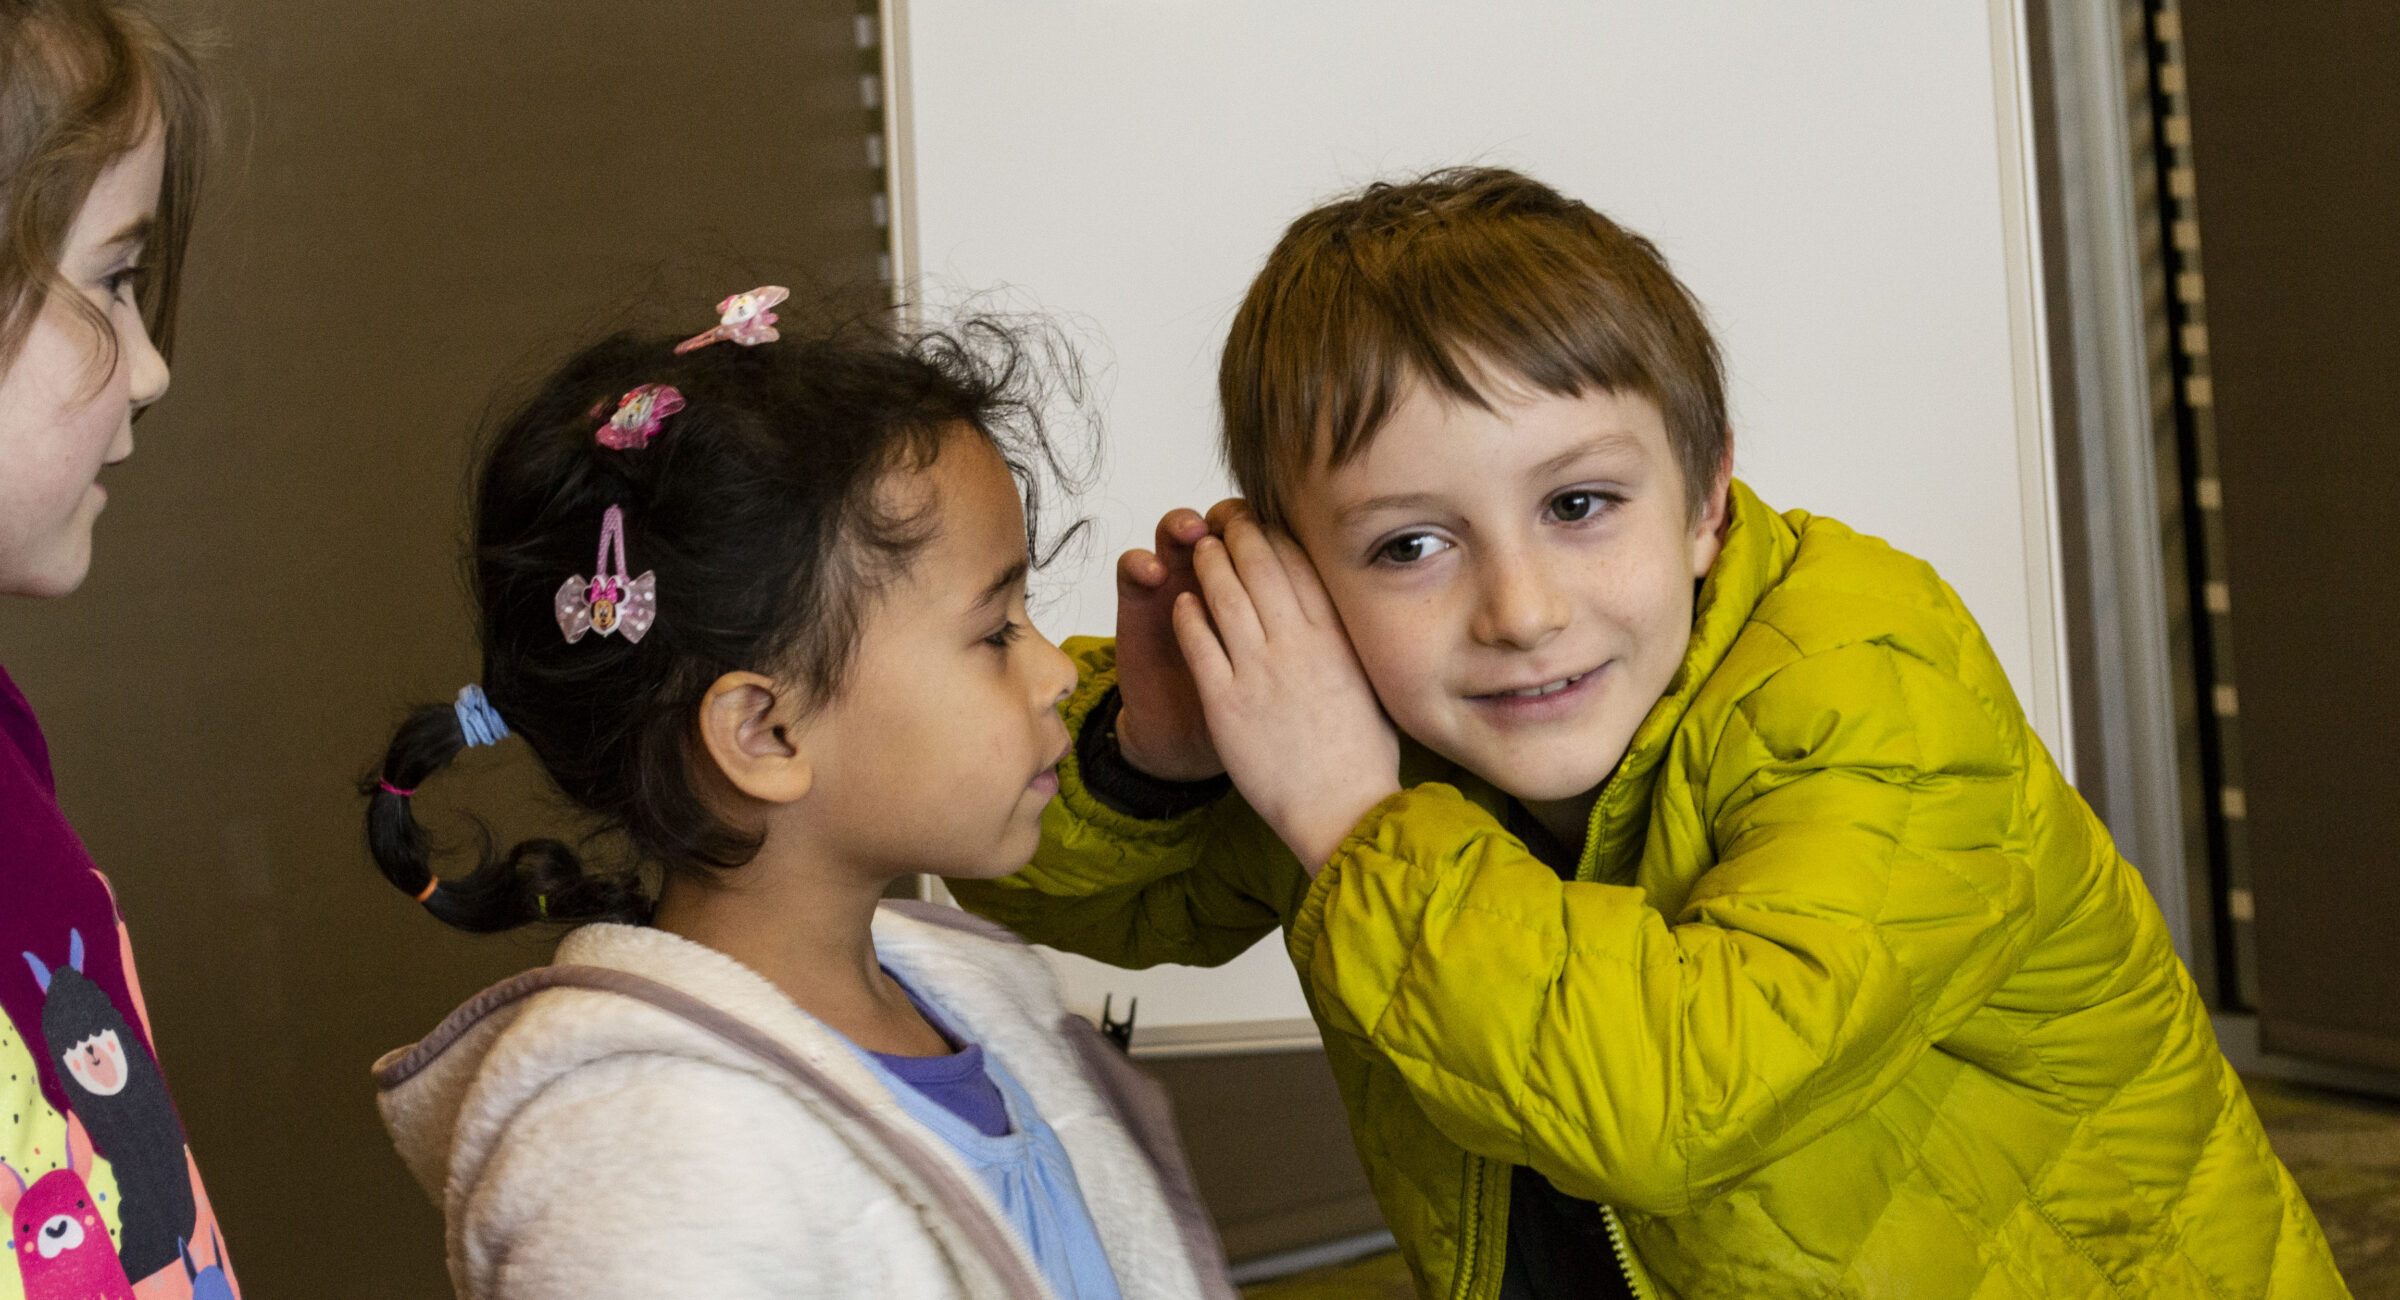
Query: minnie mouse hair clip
744, 318
608, 602
639, 413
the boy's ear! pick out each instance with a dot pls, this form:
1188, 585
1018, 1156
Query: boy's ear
749, 724
1715, 515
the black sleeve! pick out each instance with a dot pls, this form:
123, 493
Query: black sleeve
1121, 786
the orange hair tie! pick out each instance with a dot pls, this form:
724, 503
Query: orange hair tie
430, 886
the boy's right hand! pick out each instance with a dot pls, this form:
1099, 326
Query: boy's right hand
1160, 728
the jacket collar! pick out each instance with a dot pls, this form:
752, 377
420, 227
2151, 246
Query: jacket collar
1758, 550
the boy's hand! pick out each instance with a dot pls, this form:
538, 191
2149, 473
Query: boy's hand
1286, 700
1160, 727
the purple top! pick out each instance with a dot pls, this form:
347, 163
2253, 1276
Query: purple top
957, 1082
52, 888
77, 1073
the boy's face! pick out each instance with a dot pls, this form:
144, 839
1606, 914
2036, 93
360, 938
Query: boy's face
1517, 582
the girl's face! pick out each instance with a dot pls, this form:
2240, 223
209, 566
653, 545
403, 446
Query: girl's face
61, 416
940, 754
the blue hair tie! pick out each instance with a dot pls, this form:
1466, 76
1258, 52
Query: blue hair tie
478, 721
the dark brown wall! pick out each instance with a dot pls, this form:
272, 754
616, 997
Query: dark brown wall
1270, 1149
2296, 137
421, 200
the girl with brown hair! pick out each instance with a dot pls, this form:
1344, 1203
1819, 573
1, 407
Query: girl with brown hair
103, 125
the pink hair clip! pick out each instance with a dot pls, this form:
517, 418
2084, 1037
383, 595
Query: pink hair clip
744, 318
609, 601
638, 417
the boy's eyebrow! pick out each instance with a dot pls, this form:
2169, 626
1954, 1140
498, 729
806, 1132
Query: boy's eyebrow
1606, 442
1009, 577
1349, 514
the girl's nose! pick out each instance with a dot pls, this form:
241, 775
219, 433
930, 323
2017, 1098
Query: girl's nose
1519, 607
1057, 672
146, 382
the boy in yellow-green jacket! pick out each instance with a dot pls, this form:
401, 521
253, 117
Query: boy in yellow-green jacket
1686, 904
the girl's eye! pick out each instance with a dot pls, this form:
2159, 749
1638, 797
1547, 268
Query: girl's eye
1410, 548
1006, 635
1574, 507
122, 284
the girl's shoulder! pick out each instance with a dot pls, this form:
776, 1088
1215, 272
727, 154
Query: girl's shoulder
614, 993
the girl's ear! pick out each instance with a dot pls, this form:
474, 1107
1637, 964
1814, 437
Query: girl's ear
748, 723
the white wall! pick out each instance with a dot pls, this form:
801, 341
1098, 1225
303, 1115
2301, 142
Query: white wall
1841, 185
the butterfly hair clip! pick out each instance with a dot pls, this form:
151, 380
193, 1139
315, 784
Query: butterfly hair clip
638, 416
608, 602
744, 318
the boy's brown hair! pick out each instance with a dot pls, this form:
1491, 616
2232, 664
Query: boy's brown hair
82, 82
1462, 279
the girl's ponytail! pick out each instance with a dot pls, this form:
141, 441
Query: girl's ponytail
538, 880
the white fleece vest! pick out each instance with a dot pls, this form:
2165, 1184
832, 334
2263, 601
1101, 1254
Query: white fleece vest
591, 1140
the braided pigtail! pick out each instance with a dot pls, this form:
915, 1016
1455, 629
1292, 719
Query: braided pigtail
537, 880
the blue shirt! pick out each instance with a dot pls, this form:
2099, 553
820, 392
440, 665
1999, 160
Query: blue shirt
1023, 1165
957, 1081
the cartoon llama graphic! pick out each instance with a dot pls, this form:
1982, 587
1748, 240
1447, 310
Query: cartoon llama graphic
116, 1089
56, 1232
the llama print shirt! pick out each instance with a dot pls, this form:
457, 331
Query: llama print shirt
102, 1197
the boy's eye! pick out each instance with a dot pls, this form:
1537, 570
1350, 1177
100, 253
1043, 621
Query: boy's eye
1006, 635
1573, 507
1410, 548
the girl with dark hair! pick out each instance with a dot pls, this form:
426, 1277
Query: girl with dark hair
758, 607
103, 126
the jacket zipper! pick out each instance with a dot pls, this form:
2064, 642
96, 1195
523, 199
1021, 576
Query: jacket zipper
1634, 1281
1470, 1229
1470, 1239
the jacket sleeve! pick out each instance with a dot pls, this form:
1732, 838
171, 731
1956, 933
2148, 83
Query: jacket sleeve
1871, 889
1196, 889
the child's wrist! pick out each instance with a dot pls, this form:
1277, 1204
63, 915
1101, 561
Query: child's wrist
1315, 837
1119, 783
1171, 767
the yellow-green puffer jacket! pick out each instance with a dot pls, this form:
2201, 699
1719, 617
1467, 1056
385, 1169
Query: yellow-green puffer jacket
1852, 996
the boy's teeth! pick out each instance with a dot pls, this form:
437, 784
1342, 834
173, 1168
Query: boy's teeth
1550, 688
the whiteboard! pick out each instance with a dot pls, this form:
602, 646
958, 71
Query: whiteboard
1845, 187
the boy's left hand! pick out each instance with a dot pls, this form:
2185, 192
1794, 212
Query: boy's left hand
1293, 716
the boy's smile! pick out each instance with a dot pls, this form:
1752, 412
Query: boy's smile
1517, 582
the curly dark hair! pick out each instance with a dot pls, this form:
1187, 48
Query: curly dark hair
757, 507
